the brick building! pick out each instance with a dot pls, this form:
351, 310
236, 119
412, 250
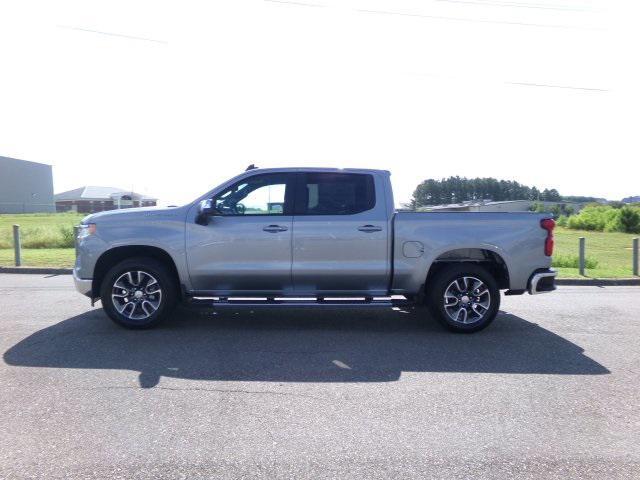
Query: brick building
91, 199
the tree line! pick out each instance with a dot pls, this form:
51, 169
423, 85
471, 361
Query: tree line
461, 189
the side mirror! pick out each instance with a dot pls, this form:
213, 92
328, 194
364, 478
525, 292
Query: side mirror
206, 209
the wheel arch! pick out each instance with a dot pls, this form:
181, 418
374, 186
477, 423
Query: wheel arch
492, 261
117, 254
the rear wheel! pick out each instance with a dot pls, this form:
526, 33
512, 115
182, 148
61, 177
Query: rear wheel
138, 293
464, 297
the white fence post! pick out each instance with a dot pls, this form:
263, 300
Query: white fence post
635, 257
16, 245
581, 260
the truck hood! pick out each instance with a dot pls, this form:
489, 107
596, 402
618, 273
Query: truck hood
127, 214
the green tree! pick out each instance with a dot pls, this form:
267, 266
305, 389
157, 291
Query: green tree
630, 219
460, 189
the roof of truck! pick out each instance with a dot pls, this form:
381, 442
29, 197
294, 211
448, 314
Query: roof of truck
318, 169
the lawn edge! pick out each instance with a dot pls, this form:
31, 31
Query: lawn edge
37, 270
598, 282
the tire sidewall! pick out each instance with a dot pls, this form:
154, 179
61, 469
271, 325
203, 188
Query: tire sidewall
154, 268
444, 278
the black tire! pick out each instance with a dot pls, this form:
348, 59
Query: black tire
164, 301
443, 280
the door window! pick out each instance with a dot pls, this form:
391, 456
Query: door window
258, 195
335, 194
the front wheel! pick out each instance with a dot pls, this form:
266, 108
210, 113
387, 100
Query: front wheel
464, 297
138, 293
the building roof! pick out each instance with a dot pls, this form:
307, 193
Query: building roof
91, 192
17, 160
488, 203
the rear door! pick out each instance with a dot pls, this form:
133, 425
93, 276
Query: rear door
340, 235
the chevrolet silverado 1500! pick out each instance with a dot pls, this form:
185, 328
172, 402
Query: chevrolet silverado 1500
312, 237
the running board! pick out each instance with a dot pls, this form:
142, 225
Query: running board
255, 302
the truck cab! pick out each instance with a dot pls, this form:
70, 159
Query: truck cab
302, 232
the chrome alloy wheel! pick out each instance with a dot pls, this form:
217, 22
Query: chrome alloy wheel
467, 300
136, 295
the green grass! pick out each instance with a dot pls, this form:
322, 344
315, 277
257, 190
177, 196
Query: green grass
39, 230
561, 260
38, 233
40, 257
608, 253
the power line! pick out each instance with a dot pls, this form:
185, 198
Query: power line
517, 5
302, 4
460, 19
527, 84
112, 34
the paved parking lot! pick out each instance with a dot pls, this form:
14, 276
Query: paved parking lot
550, 390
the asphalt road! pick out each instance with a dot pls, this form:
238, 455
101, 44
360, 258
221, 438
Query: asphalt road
550, 390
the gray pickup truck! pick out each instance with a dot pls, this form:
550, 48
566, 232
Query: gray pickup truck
310, 237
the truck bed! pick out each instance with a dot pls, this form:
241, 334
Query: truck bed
421, 238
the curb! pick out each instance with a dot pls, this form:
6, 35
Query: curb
37, 270
591, 282
595, 282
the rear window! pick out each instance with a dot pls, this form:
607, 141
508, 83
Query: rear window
335, 194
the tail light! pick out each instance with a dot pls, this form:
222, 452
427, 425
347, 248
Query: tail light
548, 224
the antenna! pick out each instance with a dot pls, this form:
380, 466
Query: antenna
250, 167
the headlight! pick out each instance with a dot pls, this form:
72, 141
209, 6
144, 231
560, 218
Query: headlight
86, 229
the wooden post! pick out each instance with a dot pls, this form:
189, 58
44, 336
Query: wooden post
636, 267
581, 256
16, 245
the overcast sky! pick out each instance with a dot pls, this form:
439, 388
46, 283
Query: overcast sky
171, 98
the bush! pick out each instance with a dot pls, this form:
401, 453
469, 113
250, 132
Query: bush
605, 218
629, 219
67, 239
556, 210
562, 221
612, 223
572, 261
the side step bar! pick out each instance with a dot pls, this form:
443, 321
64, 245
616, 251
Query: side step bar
298, 302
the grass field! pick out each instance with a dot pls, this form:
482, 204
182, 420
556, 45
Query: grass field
610, 251
40, 257
39, 230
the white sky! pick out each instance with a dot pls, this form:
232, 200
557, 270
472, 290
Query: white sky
424, 88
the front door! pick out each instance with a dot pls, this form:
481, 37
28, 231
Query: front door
246, 246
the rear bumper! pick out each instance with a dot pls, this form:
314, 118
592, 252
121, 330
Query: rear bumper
83, 285
542, 281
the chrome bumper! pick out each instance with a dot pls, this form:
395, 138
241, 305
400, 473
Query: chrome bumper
543, 282
83, 285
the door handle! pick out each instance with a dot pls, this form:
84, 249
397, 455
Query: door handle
369, 228
275, 228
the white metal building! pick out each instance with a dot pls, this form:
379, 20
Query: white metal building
25, 187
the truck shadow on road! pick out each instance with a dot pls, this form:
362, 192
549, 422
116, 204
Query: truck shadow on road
299, 346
